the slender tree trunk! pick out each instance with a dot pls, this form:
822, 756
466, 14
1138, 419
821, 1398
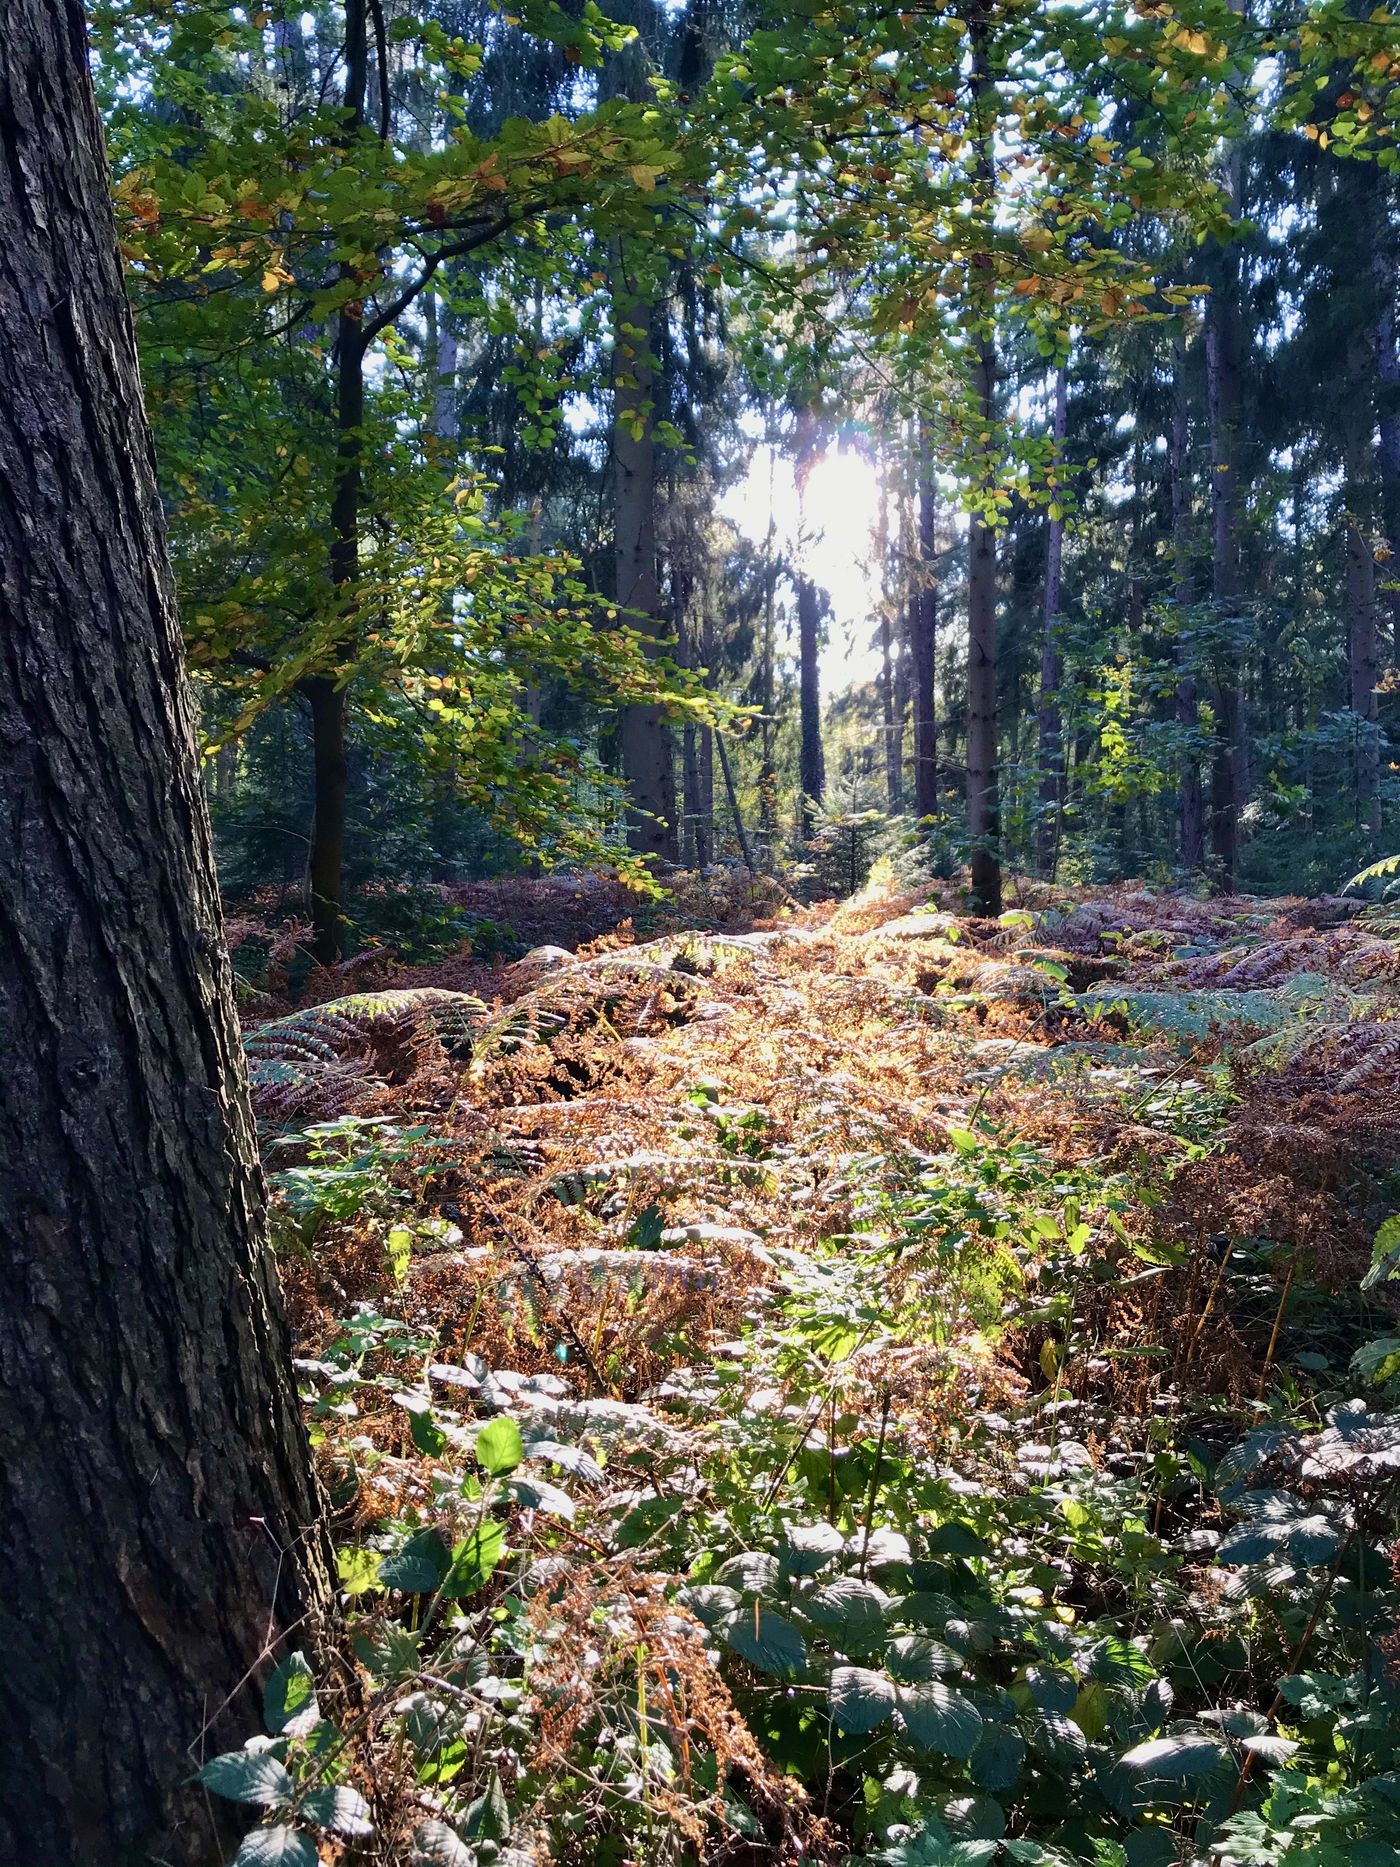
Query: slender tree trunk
326, 693
1230, 771
161, 1517
1187, 709
1363, 647
811, 759
1385, 265
645, 741
1050, 731
734, 809
767, 772
983, 801
923, 634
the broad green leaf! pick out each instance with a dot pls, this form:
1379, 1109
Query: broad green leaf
996, 1762
914, 1657
474, 1560
939, 1719
1190, 1754
418, 1568
499, 1448
247, 1776
766, 1640
860, 1700
343, 1811
275, 1847
290, 1693
436, 1845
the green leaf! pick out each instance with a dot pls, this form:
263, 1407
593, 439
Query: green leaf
1052, 1687
939, 1719
860, 1700
767, 1641
1175, 1757
358, 1570
914, 1657
499, 1448
956, 1539
488, 1818
1385, 1254
418, 1568
852, 1613
996, 1762
343, 1811
809, 1547
974, 1818
436, 1845
474, 1560
275, 1847
247, 1776
290, 1693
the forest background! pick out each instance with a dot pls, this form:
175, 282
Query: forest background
475, 342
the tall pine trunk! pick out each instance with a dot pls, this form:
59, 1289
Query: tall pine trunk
1224, 341
983, 800
1050, 730
1363, 644
923, 634
811, 757
1187, 706
325, 693
161, 1517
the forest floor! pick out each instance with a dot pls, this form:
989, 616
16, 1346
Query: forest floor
859, 1382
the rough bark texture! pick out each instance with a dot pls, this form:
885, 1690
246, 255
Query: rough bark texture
644, 738
326, 693
160, 1514
811, 757
1363, 645
983, 803
1049, 730
923, 638
1229, 773
648, 763
1187, 708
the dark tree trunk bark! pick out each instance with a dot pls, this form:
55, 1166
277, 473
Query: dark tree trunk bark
1224, 340
326, 693
648, 763
983, 803
1363, 646
1187, 708
923, 636
644, 738
811, 758
161, 1516
1050, 730
1388, 398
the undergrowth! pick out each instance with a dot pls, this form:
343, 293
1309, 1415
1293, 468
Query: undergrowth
873, 1387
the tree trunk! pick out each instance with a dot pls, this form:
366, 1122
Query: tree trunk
1229, 775
923, 636
767, 771
1385, 263
811, 757
1049, 728
1363, 648
326, 693
1187, 709
161, 1516
647, 758
983, 804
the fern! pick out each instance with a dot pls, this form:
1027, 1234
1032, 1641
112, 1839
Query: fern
1378, 871
366, 1022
